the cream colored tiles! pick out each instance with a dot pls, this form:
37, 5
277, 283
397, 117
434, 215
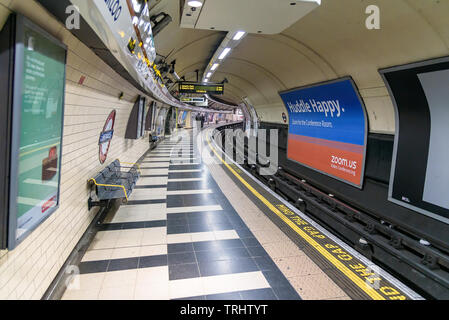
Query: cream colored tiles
186, 288
152, 181
149, 194
84, 287
184, 192
125, 278
194, 209
234, 282
122, 292
154, 236
299, 269
154, 165
130, 238
139, 213
126, 239
152, 159
202, 236
154, 284
186, 180
104, 240
154, 172
154, 250
97, 255
81, 294
226, 235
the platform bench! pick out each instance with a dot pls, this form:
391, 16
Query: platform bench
114, 182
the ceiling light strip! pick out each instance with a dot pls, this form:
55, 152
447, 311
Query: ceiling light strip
224, 53
231, 41
239, 35
165, 96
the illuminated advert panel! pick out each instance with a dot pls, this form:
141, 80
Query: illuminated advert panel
37, 124
419, 177
328, 129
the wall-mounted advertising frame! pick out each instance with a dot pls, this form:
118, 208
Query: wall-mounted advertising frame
7, 42
254, 117
37, 113
247, 118
149, 116
155, 115
160, 122
136, 122
328, 129
419, 177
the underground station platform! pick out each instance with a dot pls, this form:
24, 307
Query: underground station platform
199, 227
224, 159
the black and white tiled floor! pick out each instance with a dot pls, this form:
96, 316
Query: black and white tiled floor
177, 238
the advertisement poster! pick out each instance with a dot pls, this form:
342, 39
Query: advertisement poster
420, 94
328, 129
38, 120
140, 112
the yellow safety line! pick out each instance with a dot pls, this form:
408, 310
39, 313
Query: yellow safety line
111, 185
340, 266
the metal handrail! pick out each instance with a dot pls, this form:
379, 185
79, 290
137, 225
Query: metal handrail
110, 185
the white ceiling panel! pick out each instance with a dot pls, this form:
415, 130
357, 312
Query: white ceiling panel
253, 16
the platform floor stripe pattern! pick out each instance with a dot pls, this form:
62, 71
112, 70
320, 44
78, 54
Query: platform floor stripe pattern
177, 238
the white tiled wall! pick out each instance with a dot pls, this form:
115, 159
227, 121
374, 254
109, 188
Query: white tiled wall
27, 271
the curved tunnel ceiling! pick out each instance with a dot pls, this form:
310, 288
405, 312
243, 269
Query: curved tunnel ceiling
330, 42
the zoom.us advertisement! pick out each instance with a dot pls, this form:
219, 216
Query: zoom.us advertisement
327, 130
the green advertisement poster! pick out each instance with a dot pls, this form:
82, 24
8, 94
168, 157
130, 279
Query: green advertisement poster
41, 105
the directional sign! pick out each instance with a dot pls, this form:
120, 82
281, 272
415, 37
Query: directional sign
200, 88
193, 99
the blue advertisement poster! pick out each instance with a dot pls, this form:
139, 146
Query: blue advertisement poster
328, 129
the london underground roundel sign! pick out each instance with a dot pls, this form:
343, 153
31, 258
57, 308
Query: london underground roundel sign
106, 137
284, 117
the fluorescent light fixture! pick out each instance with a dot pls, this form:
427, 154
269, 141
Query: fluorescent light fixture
195, 3
137, 6
224, 53
239, 35
209, 74
214, 67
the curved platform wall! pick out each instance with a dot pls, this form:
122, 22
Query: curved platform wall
333, 42
27, 271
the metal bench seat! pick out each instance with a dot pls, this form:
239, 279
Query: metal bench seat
114, 183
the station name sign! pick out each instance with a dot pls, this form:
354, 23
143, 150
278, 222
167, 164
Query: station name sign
200, 88
193, 99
